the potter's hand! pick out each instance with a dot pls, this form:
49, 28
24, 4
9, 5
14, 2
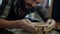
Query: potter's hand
27, 25
50, 22
50, 25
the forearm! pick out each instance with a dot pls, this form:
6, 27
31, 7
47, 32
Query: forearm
9, 24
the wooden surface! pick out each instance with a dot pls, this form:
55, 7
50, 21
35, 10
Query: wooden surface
58, 25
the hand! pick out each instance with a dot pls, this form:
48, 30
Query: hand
51, 22
50, 25
27, 25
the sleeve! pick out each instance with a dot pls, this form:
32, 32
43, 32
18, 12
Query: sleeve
2, 7
5, 7
43, 13
2, 16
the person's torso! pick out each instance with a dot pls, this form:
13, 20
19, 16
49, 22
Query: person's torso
13, 13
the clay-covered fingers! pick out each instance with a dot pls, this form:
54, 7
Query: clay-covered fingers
51, 22
50, 25
29, 26
28, 22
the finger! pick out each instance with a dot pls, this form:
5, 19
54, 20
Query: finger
28, 24
51, 21
52, 24
48, 21
26, 20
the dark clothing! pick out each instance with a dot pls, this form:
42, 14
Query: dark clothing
11, 10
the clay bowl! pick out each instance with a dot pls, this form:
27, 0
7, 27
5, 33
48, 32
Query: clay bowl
39, 27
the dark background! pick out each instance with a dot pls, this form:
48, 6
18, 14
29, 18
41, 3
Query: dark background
56, 10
